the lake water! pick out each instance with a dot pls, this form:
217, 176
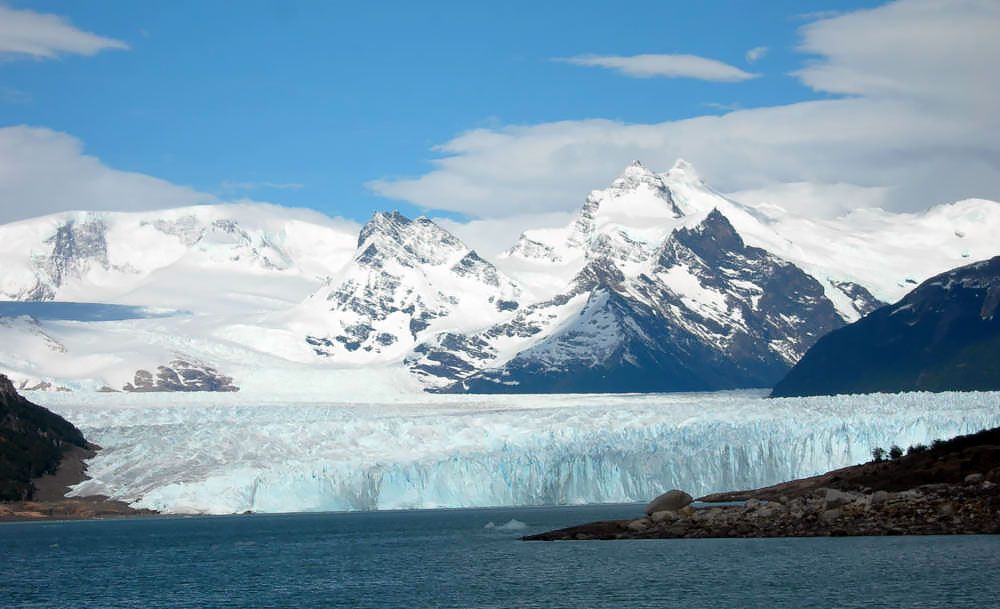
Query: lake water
449, 558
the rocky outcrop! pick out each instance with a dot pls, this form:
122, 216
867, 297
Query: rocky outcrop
32, 442
181, 375
934, 509
671, 500
952, 487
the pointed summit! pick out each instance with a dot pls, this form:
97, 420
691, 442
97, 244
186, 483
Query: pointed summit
393, 236
683, 171
635, 174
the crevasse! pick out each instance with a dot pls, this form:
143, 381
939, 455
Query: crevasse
229, 456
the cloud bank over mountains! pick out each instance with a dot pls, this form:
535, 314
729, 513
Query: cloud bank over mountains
910, 123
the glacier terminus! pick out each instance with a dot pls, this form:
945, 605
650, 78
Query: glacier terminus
224, 453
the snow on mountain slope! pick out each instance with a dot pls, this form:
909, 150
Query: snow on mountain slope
886, 253
173, 351
228, 453
662, 283
215, 256
408, 280
707, 312
657, 277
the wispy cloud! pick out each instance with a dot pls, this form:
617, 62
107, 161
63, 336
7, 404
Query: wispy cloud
663, 66
10, 95
26, 33
231, 187
721, 106
755, 53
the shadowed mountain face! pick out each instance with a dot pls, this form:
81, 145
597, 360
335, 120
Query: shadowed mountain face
942, 336
32, 441
743, 326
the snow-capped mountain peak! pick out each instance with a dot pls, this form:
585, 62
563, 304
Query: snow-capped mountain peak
114, 256
394, 237
683, 171
408, 280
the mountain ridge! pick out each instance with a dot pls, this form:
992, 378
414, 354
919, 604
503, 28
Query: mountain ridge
942, 336
736, 293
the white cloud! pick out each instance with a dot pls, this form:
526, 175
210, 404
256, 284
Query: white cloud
917, 128
664, 66
44, 36
230, 187
44, 171
491, 236
755, 53
813, 199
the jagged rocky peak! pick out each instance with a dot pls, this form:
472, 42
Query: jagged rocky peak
636, 175
406, 275
409, 242
637, 207
714, 238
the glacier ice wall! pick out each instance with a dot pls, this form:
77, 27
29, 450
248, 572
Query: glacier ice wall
226, 457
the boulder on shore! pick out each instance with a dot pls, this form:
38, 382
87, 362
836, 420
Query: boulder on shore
670, 500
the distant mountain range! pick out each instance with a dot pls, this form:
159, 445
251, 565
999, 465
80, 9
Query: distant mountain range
660, 283
942, 336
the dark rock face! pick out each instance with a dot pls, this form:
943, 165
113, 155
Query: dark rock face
643, 334
942, 336
32, 442
181, 375
75, 247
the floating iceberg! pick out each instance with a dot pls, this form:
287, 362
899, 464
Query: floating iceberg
222, 454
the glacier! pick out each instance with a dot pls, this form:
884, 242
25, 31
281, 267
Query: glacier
222, 454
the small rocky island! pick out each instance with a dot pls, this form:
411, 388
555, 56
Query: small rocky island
951, 487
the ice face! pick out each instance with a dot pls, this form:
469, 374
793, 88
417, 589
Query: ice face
222, 454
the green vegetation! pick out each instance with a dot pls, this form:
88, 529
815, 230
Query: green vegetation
878, 454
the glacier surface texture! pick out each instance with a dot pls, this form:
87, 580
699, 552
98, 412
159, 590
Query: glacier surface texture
226, 454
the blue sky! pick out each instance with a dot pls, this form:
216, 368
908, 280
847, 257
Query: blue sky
319, 98
504, 111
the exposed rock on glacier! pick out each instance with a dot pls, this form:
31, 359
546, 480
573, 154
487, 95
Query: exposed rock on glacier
233, 454
181, 375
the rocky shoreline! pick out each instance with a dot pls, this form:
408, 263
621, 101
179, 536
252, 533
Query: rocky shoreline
952, 488
49, 501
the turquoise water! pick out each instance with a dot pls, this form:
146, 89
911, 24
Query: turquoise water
447, 558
